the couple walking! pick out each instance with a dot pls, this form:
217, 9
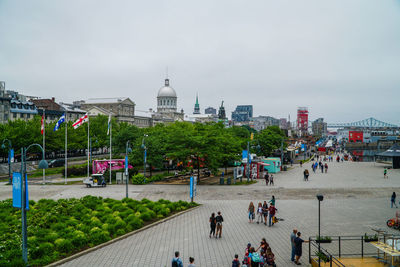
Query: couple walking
216, 222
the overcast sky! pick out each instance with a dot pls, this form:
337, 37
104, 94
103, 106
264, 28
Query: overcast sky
341, 58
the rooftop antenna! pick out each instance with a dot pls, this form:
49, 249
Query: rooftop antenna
166, 72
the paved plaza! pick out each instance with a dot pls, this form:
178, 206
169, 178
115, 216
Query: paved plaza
356, 200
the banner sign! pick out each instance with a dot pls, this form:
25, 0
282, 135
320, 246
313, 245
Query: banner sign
193, 181
100, 166
17, 190
11, 156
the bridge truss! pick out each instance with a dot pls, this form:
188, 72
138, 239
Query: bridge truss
367, 123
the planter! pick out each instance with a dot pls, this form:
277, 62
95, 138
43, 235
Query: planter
323, 241
367, 240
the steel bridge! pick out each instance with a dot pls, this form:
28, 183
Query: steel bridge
367, 123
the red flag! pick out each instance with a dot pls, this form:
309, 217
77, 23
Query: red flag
42, 127
80, 121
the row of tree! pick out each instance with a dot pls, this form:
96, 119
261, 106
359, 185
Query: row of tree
181, 143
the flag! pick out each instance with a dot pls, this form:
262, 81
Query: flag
42, 125
58, 124
109, 124
80, 121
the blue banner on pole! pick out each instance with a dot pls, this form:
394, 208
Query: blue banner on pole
191, 186
126, 163
11, 156
17, 188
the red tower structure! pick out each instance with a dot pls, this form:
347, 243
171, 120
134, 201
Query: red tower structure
302, 120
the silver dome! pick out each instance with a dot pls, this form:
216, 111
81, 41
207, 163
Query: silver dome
166, 91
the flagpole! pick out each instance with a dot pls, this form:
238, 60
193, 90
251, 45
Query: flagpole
66, 153
44, 143
88, 137
110, 148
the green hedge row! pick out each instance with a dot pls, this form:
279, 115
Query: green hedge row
57, 229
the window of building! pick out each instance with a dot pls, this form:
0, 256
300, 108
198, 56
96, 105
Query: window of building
6, 117
13, 105
28, 116
14, 115
22, 115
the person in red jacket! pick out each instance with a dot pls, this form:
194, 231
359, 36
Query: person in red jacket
272, 211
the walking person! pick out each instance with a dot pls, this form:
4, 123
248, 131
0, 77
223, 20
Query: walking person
251, 212
271, 180
298, 247
259, 213
177, 262
326, 167
322, 168
219, 219
272, 211
265, 212
385, 173
266, 177
393, 200
301, 163
272, 201
236, 262
292, 237
213, 224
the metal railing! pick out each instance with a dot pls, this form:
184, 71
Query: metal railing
346, 246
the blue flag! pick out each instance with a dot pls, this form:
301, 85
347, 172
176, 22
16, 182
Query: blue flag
58, 124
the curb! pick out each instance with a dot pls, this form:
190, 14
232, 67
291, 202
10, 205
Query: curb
79, 254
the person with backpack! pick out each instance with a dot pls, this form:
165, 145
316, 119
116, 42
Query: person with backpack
213, 224
251, 212
272, 211
219, 219
254, 258
270, 258
246, 260
265, 212
236, 262
177, 262
326, 167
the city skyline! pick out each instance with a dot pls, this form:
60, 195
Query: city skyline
273, 56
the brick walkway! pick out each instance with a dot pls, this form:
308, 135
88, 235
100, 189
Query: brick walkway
188, 233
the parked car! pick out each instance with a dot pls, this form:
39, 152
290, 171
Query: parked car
56, 163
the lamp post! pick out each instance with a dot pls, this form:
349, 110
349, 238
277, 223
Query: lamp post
127, 150
42, 165
145, 155
9, 158
320, 198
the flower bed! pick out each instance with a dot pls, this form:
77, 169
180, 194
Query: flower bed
57, 229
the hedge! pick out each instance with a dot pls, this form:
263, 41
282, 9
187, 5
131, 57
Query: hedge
57, 229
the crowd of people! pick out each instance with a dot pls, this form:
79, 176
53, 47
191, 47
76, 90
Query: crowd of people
263, 212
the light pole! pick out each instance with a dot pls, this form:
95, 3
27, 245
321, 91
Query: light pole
127, 150
9, 158
42, 165
320, 198
145, 154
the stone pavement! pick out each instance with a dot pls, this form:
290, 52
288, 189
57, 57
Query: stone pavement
356, 199
188, 233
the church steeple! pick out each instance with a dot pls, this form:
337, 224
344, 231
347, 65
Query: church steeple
196, 106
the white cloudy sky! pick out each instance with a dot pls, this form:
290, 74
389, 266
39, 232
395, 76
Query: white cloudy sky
339, 58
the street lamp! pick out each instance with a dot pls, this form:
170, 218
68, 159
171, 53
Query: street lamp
320, 198
9, 158
128, 149
145, 154
42, 165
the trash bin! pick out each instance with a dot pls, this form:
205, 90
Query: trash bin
228, 181
221, 181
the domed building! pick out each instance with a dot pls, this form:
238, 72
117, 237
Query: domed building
166, 98
167, 101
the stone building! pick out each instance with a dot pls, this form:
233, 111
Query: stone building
123, 109
5, 103
319, 127
167, 101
